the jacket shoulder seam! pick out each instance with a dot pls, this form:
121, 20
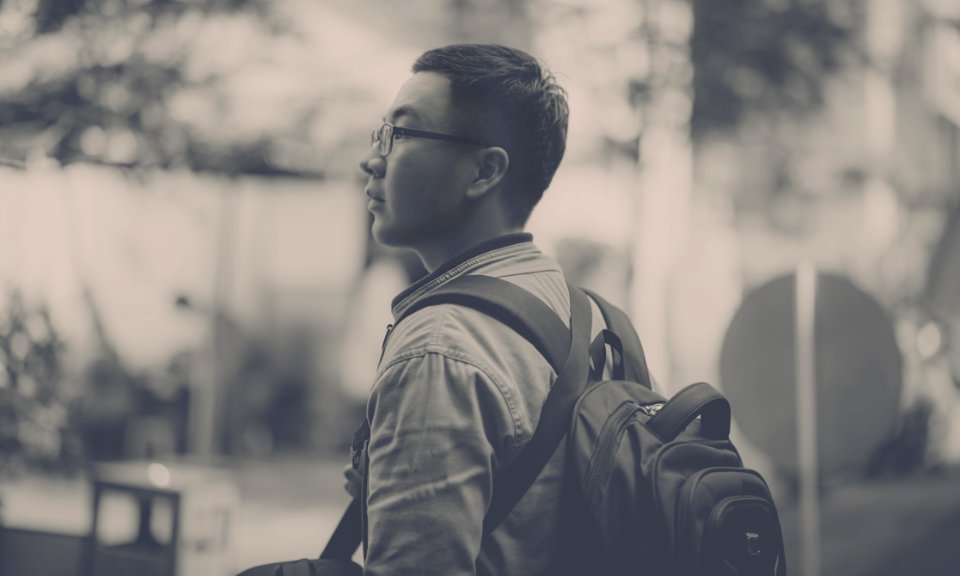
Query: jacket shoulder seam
505, 394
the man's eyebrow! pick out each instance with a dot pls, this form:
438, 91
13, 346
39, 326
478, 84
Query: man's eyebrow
400, 113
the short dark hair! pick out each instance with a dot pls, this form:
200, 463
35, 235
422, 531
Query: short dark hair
504, 96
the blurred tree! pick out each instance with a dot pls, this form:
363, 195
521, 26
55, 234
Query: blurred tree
109, 395
765, 56
142, 83
35, 429
51, 14
501, 21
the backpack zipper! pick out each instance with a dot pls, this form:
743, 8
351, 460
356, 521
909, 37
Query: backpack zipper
603, 458
686, 495
681, 519
722, 506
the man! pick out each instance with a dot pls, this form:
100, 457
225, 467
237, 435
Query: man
466, 151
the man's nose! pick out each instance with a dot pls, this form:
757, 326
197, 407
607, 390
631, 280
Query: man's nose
373, 164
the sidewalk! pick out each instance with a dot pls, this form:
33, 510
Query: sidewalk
289, 507
886, 527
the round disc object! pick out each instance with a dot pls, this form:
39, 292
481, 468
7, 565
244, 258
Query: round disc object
858, 368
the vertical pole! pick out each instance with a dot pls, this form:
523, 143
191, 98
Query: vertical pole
664, 179
206, 410
92, 545
807, 453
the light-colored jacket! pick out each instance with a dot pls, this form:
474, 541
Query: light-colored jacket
457, 395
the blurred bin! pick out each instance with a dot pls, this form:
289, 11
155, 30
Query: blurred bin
197, 503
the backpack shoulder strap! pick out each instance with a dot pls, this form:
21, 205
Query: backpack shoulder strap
634, 360
566, 349
513, 481
508, 303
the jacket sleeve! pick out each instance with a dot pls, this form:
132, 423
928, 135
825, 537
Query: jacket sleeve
438, 426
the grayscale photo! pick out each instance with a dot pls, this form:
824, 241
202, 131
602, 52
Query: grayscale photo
479, 288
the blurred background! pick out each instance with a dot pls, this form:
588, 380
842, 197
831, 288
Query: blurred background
191, 307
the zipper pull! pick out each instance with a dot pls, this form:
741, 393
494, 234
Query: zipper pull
386, 338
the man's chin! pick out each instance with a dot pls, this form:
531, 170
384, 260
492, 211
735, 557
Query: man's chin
406, 238
386, 237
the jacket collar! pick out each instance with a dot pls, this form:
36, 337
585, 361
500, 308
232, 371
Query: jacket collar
454, 265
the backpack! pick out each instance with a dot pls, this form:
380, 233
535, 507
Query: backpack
652, 486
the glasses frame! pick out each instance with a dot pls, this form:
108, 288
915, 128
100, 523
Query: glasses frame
385, 145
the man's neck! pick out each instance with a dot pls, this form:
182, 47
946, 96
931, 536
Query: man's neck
484, 219
437, 254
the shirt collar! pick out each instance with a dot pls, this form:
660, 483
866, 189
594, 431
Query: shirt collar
469, 254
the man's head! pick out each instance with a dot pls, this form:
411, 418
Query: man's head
503, 96
474, 138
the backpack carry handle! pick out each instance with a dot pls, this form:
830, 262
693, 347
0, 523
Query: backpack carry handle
598, 356
632, 362
700, 399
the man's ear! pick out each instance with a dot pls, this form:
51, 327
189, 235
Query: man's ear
492, 164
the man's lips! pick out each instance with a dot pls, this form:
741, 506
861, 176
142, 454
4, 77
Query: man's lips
371, 195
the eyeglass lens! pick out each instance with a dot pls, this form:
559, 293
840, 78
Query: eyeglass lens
383, 137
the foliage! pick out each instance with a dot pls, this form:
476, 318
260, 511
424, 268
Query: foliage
151, 83
51, 15
35, 429
138, 83
764, 56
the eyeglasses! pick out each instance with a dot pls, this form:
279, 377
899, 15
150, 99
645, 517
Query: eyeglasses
383, 137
